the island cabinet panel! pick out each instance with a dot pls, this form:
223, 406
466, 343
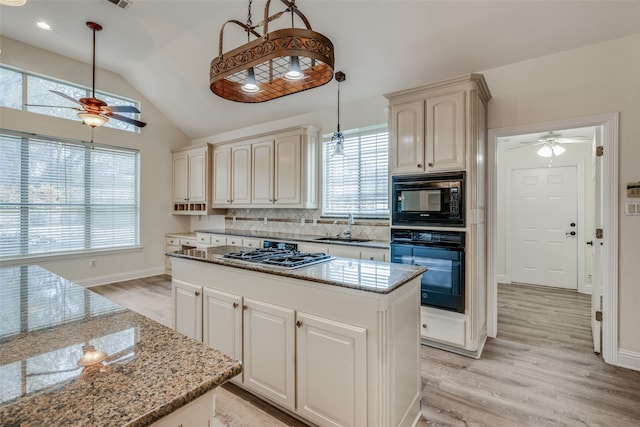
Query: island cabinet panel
269, 351
222, 323
331, 371
198, 413
187, 299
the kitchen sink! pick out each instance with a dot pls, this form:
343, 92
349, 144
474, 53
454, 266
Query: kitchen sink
339, 240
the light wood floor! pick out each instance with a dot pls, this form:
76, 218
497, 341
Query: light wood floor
539, 371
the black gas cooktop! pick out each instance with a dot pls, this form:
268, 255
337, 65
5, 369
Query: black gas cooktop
279, 257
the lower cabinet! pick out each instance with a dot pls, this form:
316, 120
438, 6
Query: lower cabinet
197, 413
287, 356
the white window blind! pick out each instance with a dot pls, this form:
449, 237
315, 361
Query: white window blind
358, 181
65, 196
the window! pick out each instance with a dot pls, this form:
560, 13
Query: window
37, 91
65, 196
357, 182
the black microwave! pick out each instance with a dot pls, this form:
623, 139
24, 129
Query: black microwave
428, 200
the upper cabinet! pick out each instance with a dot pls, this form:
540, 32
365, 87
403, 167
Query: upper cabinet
277, 169
429, 125
190, 180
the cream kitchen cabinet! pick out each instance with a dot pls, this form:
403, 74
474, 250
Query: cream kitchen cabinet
357, 252
428, 125
197, 413
190, 180
277, 171
187, 308
232, 176
222, 323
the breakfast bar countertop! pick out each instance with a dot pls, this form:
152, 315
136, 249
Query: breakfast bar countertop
47, 323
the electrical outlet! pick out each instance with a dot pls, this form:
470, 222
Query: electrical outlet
93, 263
632, 208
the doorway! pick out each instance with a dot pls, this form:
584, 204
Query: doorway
606, 126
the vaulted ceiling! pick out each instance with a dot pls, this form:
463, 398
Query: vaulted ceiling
163, 48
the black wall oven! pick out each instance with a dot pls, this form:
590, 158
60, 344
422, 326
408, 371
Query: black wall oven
428, 200
442, 252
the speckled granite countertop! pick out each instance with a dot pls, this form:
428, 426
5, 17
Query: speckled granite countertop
46, 321
365, 275
296, 238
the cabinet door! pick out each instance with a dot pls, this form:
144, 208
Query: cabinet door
222, 322
180, 177
446, 132
262, 181
407, 138
198, 176
241, 175
288, 179
187, 309
222, 176
269, 358
167, 259
331, 371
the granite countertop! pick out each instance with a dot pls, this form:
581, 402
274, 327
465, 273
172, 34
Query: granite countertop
46, 322
365, 275
379, 244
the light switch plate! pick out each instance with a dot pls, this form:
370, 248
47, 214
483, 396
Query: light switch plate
632, 208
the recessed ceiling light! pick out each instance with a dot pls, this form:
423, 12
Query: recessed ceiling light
43, 25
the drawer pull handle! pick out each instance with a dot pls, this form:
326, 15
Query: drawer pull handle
235, 305
197, 293
299, 324
430, 165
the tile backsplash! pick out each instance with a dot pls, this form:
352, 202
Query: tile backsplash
290, 221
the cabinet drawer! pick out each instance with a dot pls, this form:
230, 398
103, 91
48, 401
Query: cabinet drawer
373, 255
203, 239
252, 243
217, 240
172, 241
445, 328
234, 241
188, 242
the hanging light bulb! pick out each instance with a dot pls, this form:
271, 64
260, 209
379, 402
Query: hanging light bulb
558, 149
294, 73
545, 151
250, 85
337, 140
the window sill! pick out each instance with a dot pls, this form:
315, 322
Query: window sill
58, 256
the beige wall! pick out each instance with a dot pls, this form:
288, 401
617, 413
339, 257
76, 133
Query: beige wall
596, 79
154, 142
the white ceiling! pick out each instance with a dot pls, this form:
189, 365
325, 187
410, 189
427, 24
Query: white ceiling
163, 48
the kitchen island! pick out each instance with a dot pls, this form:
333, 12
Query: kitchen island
151, 375
335, 343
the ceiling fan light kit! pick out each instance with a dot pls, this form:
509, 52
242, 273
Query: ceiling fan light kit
13, 2
282, 62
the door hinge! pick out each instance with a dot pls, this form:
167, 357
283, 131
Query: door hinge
599, 151
599, 316
599, 233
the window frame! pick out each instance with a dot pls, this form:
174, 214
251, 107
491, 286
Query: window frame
360, 133
88, 206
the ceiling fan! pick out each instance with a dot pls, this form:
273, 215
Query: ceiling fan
93, 111
552, 143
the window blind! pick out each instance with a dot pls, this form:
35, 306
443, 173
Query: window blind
65, 196
358, 181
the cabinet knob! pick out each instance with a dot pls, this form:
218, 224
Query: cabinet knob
228, 201
419, 165
244, 306
235, 305
275, 200
424, 325
299, 324
197, 293
430, 165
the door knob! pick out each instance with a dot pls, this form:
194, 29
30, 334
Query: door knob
571, 233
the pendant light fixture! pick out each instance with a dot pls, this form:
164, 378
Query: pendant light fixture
337, 140
273, 64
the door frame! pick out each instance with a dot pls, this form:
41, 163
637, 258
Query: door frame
580, 218
609, 123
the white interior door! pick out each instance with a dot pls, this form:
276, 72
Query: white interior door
544, 226
596, 283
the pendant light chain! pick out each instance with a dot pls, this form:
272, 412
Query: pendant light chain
249, 23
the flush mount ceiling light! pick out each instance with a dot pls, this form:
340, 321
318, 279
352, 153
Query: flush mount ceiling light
274, 64
12, 2
337, 140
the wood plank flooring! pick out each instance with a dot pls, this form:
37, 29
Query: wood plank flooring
539, 371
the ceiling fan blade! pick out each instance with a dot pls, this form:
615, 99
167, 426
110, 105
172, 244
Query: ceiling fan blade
52, 106
122, 109
126, 120
64, 95
574, 140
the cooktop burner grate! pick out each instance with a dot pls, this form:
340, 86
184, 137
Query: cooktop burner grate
279, 257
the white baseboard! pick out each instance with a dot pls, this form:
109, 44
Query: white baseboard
120, 277
502, 278
629, 359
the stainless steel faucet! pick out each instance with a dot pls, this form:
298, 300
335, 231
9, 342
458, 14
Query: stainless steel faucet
347, 231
